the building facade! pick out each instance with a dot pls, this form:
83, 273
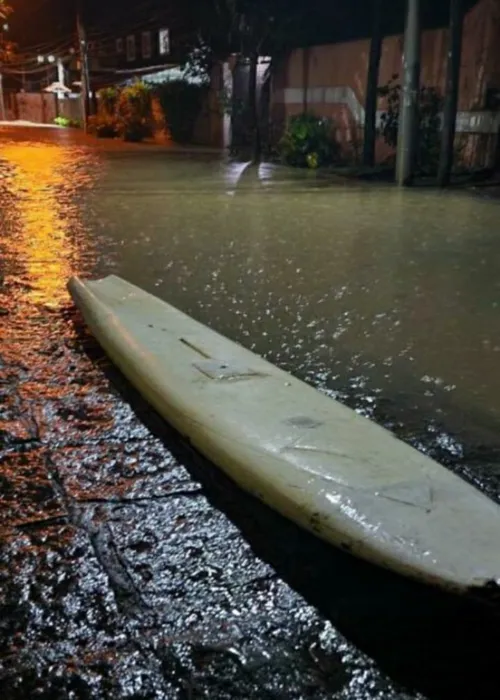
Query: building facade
330, 80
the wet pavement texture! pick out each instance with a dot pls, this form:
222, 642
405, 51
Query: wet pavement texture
131, 568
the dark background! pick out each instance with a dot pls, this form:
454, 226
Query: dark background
36, 22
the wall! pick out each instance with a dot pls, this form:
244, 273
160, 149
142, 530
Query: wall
209, 129
38, 107
71, 108
41, 107
330, 80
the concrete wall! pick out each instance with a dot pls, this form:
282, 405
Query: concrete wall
330, 81
39, 107
209, 129
71, 108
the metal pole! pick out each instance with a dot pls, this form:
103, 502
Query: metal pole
451, 94
60, 71
370, 126
408, 113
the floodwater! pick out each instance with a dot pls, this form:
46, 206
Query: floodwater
130, 568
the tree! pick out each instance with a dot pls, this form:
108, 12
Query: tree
248, 28
7, 51
5, 10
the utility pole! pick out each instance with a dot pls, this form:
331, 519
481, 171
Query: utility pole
84, 64
408, 113
451, 94
60, 71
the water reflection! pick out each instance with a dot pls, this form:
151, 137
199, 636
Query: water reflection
42, 180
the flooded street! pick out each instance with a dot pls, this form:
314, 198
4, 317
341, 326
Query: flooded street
130, 568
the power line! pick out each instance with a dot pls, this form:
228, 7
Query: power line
24, 58
43, 47
22, 64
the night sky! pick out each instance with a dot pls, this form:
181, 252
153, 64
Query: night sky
37, 22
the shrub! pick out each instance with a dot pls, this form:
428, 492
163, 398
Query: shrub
181, 103
309, 142
103, 126
67, 122
430, 103
108, 99
134, 112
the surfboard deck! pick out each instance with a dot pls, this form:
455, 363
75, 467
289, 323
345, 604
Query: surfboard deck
317, 462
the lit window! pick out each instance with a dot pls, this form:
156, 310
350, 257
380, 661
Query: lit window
164, 42
131, 48
146, 45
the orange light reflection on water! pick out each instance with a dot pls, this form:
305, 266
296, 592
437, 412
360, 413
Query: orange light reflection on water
41, 181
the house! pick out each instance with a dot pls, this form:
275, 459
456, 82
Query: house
136, 53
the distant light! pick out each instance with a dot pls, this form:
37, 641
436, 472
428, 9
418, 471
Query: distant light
40, 59
51, 59
5, 27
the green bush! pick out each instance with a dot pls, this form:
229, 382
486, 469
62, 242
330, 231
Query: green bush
181, 103
108, 100
134, 112
104, 126
67, 123
309, 142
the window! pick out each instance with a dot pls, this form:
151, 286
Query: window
164, 42
146, 45
119, 46
131, 48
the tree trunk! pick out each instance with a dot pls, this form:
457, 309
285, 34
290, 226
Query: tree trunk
370, 126
253, 109
451, 94
408, 116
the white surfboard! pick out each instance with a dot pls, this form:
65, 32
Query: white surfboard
317, 462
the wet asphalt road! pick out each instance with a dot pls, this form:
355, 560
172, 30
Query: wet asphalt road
129, 567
